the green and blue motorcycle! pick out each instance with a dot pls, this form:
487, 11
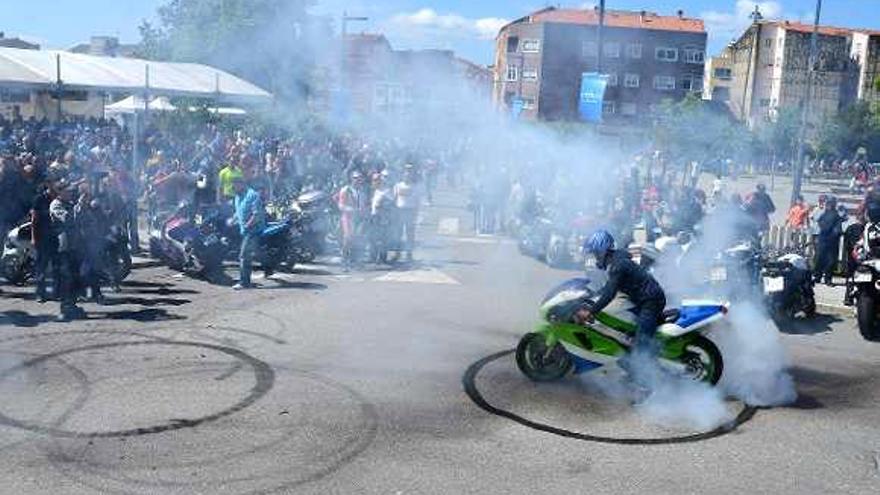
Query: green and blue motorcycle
560, 346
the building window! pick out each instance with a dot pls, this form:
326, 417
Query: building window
530, 46
692, 82
628, 108
664, 83
590, 49
634, 50
723, 73
765, 102
666, 54
612, 79
768, 42
512, 73
631, 80
608, 107
530, 74
694, 56
611, 50
528, 103
512, 43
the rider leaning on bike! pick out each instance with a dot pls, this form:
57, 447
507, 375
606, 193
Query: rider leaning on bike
627, 277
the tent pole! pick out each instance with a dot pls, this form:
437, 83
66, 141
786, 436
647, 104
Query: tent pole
146, 94
58, 84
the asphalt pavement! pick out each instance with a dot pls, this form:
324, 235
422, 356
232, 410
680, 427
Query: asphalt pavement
328, 382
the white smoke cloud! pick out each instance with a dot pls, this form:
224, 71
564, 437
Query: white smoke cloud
429, 23
728, 25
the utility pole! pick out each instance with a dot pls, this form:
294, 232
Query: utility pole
600, 34
805, 110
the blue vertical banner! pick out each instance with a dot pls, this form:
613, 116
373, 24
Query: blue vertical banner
592, 95
516, 107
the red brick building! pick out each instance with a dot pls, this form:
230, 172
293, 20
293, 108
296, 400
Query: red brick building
379, 79
539, 59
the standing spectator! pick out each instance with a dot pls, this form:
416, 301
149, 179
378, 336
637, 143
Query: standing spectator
760, 206
93, 227
61, 213
406, 198
798, 215
250, 217
45, 243
830, 230
226, 180
381, 212
351, 201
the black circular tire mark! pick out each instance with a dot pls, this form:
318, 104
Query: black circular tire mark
470, 388
265, 379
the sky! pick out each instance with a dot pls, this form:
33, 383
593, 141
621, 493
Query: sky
466, 26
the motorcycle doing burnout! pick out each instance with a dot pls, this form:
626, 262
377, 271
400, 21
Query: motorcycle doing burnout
559, 345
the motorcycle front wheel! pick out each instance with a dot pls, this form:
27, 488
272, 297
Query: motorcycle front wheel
703, 361
540, 363
14, 271
866, 310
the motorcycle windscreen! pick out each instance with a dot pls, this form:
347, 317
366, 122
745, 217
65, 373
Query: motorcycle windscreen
572, 285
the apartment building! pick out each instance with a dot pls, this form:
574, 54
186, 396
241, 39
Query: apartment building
647, 57
379, 79
770, 70
718, 77
866, 55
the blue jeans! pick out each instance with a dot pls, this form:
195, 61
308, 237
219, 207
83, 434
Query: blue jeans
246, 257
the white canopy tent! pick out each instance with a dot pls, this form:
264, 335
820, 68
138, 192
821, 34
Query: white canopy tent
45, 69
134, 104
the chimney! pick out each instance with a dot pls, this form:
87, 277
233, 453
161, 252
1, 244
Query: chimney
680, 14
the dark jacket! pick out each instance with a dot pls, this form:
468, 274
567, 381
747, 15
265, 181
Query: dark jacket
627, 277
830, 226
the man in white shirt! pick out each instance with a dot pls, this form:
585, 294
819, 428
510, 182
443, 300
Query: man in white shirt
407, 198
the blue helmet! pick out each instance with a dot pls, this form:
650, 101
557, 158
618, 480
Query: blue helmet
599, 243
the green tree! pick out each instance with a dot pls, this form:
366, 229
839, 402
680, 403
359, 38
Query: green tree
852, 128
268, 42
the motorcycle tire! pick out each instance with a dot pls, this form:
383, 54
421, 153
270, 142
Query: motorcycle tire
539, 365
705, 365
866, 311
16, 273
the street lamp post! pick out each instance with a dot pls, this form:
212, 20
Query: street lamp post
600, 34
805, 110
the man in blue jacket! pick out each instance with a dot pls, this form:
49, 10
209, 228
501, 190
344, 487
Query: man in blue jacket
251, 219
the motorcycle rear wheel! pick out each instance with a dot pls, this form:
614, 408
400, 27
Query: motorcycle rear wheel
703, 361
866, 310
539, 363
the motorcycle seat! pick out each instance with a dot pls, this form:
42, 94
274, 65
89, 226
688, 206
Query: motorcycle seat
670, 315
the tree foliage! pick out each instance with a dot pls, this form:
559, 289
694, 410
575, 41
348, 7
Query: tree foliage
853, 127
693, 130
268, 42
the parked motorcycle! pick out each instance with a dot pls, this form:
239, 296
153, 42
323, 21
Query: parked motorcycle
735, 272
559, 345
17, 260
788, 286
866, 283
187, 246
117, 256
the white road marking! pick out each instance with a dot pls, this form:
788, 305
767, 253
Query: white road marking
422, 276
448, 226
